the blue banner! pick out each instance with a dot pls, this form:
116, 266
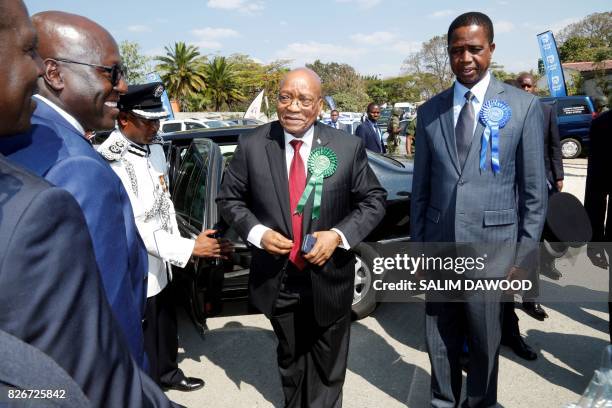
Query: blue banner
552, 64
154, 77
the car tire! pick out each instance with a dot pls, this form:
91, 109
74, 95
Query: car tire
364, 296
570, 148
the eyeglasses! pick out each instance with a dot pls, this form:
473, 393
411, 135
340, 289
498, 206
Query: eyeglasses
301, 101
116, 71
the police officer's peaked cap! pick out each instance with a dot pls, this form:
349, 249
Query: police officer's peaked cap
144, 101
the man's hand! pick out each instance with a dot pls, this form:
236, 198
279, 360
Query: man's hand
327, 242
559, 185
275, 243
597, 255
207, 247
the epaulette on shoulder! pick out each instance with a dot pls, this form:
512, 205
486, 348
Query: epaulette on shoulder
114, 147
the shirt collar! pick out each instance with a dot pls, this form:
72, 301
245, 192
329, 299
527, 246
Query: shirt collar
134, 147
307, 138
479, 90
68, 117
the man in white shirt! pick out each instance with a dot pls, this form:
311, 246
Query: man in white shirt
137, 157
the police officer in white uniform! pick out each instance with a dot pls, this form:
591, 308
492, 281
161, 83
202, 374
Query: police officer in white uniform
136, 155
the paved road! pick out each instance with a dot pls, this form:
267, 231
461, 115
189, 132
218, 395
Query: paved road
388, 365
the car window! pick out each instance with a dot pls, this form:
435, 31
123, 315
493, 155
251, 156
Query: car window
567, 107
170, 127
199, 197
193, 125
186, 182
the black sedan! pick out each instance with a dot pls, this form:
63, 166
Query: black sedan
197, 159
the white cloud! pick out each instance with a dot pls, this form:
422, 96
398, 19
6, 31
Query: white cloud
309, 51
376, 38
139, 28
442, 13
208, 37
283, 23
501, 27
244, 6
362, 4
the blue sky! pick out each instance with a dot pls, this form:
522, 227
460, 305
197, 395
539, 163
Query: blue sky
374, 36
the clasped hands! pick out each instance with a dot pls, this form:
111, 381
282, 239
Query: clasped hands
327, 242
208, 247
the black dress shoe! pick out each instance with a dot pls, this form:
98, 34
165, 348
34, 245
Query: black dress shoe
535, 310
186, 384
551, 271
520, 348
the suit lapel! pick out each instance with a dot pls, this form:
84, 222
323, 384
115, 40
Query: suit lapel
275, 149
493, 90
448, 130
319, 138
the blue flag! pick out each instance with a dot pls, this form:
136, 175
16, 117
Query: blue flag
330, 102
154, 77
552, 64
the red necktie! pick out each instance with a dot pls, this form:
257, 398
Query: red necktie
297, 183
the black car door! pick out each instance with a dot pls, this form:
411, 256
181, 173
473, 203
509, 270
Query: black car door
194, 191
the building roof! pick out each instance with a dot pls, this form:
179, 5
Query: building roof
588, 66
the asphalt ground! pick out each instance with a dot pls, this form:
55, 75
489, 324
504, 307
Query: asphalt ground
388, 365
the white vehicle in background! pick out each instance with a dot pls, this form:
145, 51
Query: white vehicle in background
175, 125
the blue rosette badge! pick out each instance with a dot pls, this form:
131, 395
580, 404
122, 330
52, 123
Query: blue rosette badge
494, 115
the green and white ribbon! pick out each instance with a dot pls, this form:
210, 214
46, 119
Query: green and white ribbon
322, 163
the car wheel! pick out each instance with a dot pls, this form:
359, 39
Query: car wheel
570, 148
364, 296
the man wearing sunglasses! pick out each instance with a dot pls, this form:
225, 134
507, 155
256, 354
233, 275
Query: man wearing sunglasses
78, 92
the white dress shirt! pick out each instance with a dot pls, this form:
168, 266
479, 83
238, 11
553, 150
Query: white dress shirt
479, 90
257, 232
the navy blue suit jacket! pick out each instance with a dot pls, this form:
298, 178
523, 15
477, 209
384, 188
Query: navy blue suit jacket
51, 298
370, 138
55, 150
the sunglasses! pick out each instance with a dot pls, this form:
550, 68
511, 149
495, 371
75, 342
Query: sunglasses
116, 71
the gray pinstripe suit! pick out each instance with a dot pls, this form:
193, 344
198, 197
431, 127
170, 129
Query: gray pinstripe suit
453, 204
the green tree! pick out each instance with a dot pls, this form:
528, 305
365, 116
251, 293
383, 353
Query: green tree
431, 65
576, 49
343, 84
596, 26
222, 83
136, 65
498, 72
181, 70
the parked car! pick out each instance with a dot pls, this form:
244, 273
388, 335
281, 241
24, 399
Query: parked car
197, 159
245, 122
175, 125
574, 116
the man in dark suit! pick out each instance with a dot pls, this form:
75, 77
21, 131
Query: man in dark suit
369, 131
79, 90
598, 191
307, 296
464, 193
50, 292
335, 123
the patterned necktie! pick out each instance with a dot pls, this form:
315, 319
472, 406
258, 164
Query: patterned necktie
297, 183
464, 130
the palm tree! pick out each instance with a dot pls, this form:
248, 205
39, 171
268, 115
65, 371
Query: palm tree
222, 85
181, 72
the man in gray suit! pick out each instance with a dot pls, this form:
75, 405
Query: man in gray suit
475, 182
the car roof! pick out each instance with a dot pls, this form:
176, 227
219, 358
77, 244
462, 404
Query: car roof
222, 135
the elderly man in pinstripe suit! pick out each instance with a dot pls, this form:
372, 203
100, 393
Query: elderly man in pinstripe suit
460, 195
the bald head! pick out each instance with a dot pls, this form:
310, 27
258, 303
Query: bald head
82, 68
70, 36
299, 101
